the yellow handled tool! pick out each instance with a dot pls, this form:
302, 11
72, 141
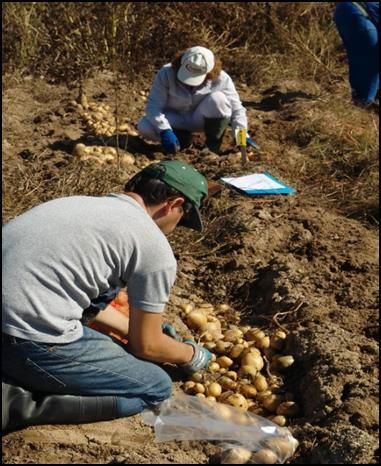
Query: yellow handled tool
240, 139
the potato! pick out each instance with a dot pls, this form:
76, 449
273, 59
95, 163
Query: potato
237, 455
260, 383
211, 318
214, 329
258, 410
237, 400
232, 375
248, 391
287, 408
236, 351
223, 411
206, 307
262, 395
227, 383
225, 395
189, 386
254, 334
206, 337
214, 366
108, 158
127, 159
83, 101
222, 347
210, 345
264, 456
125, 128
263, 342
223, 307
271, 403
224, 361
247, 370
98, 116
199, 388
254, 360
196, 320
79, 149
232, 335
214, 389
279, 420
284, 448
197, 377
112, 150
284, 361
187, 307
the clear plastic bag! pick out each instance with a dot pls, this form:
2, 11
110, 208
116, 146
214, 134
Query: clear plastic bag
247, 438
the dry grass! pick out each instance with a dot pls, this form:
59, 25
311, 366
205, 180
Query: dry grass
67, 41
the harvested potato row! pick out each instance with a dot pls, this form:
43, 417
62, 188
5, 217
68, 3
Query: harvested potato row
100, 120
247, 367
101, 154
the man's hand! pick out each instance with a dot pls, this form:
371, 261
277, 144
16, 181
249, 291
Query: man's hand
169, 141
200, 360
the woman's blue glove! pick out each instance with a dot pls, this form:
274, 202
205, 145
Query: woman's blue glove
169, 141
200, 360
171, 332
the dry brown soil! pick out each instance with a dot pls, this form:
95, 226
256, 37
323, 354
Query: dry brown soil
299, 255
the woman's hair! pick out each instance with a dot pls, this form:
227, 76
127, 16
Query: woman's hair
212, 75
154, 191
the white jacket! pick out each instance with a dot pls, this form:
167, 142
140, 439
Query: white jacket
168, 93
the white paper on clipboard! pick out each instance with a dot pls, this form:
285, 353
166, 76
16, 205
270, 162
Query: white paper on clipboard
258, 183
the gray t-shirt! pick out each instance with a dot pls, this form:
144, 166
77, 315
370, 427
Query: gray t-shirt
62, 254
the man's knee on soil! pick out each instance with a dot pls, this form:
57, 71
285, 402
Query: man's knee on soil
162, 389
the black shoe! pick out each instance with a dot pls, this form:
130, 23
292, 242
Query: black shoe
21, 408
185, 138
214, 132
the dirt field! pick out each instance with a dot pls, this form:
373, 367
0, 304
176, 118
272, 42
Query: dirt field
312, 256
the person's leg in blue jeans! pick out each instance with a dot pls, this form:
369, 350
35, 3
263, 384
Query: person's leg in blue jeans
360, 38
93, 366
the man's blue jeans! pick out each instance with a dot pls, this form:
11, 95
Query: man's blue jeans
360, 37
94, 365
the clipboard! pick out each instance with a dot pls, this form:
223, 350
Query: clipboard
258, 184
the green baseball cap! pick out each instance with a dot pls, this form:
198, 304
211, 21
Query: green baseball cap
188, 181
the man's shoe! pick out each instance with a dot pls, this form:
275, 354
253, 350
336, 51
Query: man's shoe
21, 408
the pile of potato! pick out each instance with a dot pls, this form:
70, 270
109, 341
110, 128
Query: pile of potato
247, 368
100, 121
102, 154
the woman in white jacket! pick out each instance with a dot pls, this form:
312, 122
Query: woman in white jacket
192, 94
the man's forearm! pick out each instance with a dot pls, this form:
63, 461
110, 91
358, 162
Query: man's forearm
164, 349
113, 319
